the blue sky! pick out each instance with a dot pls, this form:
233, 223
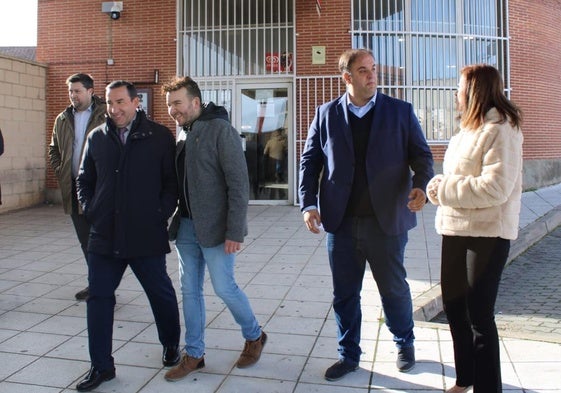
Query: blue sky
18, 22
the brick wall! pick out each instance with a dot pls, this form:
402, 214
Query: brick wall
22, 120
330, 29
535, 51
311, 31
77, 37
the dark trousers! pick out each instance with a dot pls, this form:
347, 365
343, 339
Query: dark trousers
82, 228
81, 225
470, 275
360, 239
104, 275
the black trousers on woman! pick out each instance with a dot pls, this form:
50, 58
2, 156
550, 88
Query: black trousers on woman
470, 275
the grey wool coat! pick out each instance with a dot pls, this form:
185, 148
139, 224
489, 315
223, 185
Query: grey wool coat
213, 178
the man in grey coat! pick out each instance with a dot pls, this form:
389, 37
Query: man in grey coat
210, 224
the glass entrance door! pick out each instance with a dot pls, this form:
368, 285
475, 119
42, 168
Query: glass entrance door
266, 126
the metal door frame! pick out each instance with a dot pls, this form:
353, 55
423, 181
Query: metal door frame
236, 122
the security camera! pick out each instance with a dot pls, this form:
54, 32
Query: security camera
115, 12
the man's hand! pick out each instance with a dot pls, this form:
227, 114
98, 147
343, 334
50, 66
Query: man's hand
312, 219
417, 199
231, 246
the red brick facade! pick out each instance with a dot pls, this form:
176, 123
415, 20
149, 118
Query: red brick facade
330, 29
75, 36
535, 58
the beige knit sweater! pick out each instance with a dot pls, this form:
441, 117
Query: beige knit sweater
480, 190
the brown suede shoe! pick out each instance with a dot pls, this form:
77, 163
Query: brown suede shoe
252, 351
188, 365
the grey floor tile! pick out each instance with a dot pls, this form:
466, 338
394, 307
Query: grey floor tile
55, 278
296, 325
30, 289
14, 362
147, 335
314, 294
46, 306
273, 366
223, 361
531, 351
20, 320
10, 387
128, 379
425, 376
234, 384
325, 347
284, 271
314, 372
201, 382
6, 285
139, 354
303, 308
289, 344
321, 388
267, 291
12, 302
76, 348
60, 324
33, 343
542, 375
41, 373
265, 307
19, 275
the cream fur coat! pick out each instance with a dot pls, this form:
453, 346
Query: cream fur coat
480, 189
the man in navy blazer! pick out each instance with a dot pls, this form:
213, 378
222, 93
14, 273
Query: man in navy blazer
363, 173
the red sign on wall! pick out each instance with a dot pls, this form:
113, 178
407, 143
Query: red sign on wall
278, 62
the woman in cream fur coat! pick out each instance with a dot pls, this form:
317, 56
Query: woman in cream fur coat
478, 198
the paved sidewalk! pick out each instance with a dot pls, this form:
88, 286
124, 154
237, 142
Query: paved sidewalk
284, 271
529, 301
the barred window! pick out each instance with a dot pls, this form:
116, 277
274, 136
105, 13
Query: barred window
236, 37
420, 46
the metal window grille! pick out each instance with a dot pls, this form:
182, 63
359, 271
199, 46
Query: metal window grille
421, 45
310, 93
235, 38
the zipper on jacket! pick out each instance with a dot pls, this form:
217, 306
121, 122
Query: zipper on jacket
190, 215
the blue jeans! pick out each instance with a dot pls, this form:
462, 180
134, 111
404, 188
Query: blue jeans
104, 275
192, 261
357, 240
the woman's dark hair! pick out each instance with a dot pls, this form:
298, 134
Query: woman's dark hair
485, 90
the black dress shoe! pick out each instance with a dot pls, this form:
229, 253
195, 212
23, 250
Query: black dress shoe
405, 359
339, 370
171, 356
94, 379
83, 294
